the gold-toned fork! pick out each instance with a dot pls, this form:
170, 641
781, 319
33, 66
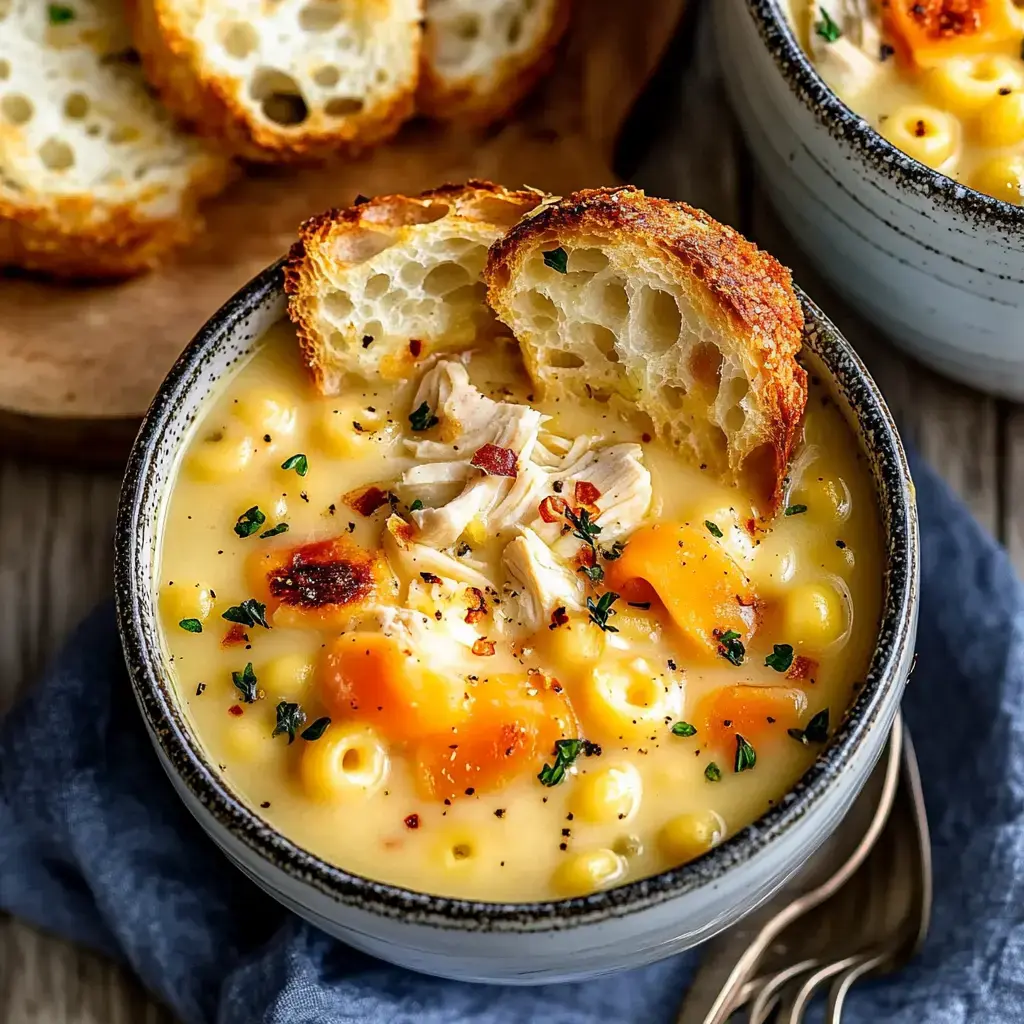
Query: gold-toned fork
724, 980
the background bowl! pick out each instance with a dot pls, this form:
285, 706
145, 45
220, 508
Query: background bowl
622, 927
936, 265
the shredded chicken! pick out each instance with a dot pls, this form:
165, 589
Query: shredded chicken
850, 63
408, 558
540, 581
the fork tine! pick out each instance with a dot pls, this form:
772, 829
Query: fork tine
795, 1007
844, 982
767, 998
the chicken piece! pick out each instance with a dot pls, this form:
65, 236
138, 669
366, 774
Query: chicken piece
850, 63
541, 582
408, 558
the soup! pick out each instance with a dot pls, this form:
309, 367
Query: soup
419, 714
943, 81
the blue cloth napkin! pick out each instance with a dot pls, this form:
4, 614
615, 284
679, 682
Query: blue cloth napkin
95, 846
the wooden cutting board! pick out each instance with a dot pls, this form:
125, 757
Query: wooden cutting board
79, 364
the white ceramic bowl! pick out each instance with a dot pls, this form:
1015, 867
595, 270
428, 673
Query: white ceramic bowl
521, 943
936, 265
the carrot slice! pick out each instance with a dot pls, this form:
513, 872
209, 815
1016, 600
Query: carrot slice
368, 677
755, 712
702, 588
511, 729
926, 32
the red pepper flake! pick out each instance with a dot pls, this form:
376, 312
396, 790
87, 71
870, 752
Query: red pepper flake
746, 600
496, 461
586, 493
235, 709
477, 605
585, 558
235, 635
558, 618
552, 509
366, 500
751, 526
429, 577
802, 668
412, 821
415, 347
483, 647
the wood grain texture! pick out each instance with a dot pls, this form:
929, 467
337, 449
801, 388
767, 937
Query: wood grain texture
55, 547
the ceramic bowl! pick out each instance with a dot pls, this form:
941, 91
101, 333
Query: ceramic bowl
937, 266
494, 942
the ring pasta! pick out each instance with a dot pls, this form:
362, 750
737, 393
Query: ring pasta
348, 763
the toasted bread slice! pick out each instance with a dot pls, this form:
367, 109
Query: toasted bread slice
376, 287
95, 180
649, 304
293, 80
480, 57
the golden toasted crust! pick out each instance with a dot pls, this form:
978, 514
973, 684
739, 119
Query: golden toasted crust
327, 264
737, 295
481, 100
79, 236
209, 105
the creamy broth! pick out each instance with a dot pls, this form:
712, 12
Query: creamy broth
953, 103
650, 796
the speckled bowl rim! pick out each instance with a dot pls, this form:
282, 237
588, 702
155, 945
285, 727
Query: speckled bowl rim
850, 129
153, 687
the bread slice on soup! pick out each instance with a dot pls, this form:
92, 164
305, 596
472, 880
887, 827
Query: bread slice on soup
643, 303
375, 288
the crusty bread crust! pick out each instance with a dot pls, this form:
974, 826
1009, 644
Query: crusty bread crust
83, 237
700, 331
425, 253
484, 98
211, 105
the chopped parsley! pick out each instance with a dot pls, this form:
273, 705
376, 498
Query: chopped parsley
59, 14
297, 462
746, 758
795, 510
416, 505
289, 718
582, 526
601, 610
684, 729
566, 752
556, 259
731, 647
713, 773
316, 730
274, 531
245, 681
191, 625
249, 613
713, 528
827, 28
781, 657
816, 731
249, 521
421, 418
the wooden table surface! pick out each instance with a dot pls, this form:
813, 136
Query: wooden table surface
55, 557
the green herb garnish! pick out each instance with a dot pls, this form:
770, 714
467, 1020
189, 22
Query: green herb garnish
316, 730
594, 573
816, 731
416, 505
566, 752
684, 729
601, 610
250, 521
746, 758
731, 647
274, 531
781, 658
297, 462
246, 683
582, 526
421, 418
191, 625
289, 718
795, 510
249, 613
712, 528
615, 551
827, 27
556, 259
713, 773
59, 14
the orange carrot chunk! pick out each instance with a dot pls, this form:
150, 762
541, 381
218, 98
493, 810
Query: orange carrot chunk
754, 712
926, 32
